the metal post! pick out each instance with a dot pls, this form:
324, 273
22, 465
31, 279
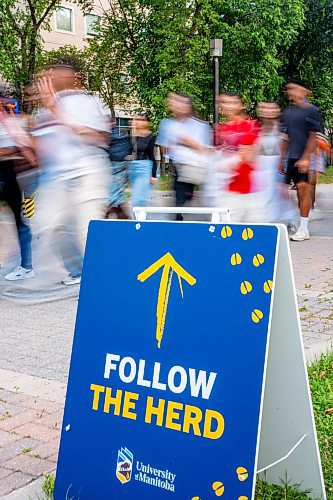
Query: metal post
216, 48
216, 89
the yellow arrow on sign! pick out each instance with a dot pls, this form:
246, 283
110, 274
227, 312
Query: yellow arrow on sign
169, 267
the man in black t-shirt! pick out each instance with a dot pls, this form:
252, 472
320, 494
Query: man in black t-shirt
300, 123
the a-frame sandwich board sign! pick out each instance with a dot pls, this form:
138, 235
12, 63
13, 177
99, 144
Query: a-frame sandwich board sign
187, 373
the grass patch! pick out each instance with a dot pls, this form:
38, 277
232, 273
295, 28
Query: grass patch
48, 486
287, 491
321, 382
26, 450
326, 177
165, 183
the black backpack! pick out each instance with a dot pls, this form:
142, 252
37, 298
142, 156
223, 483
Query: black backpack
120, 146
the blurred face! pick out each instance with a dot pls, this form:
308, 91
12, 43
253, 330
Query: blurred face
296, 93
179, 106
268, 111
140, 123
230, 106
62, 78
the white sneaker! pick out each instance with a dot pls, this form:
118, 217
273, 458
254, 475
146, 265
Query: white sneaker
71, 280
300, 235
20, 273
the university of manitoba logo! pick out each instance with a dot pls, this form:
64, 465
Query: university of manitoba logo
124, 465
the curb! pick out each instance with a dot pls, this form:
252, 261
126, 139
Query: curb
33, 491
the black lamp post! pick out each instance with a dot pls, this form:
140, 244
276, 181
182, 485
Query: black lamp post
216, 47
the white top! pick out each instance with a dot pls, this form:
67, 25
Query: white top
5, 140
62, 153
171, 132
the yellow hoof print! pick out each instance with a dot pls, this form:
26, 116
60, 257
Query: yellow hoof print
258, 260
268, 286
247, 234
235, 259
218, 488
245, 287
256, 315
226, 232
241, 471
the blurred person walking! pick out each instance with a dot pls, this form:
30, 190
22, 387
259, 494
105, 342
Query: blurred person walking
143, 167
15, 145
184, 137
268, 181
236, 138
300, 123
318, 164
120, 148
71, 141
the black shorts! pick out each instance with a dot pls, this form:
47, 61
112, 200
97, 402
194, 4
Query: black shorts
293, 174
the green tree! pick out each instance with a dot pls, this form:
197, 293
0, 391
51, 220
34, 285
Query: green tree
21, 22
311, 56
165, 46
101, 72
76, 57
107, 72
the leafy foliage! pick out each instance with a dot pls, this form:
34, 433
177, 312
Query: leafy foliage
165, 46
147, 48
20, 39
311, 56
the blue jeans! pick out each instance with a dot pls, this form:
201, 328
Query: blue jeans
119, 177
10, 193
139, 176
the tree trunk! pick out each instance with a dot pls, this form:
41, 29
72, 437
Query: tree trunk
32, 59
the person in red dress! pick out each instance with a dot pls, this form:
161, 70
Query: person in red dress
236, 138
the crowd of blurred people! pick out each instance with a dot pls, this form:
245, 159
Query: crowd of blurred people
85, 165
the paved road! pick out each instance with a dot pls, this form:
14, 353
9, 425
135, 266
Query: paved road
37, 327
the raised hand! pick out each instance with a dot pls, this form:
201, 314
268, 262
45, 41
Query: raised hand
48, 95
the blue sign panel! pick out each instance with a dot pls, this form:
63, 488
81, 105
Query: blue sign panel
168, 361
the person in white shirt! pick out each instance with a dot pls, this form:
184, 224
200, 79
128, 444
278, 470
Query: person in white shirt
71, 143
182, 135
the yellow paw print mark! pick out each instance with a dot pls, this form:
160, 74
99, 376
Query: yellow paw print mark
243, 498
226, 232
258, 259
257, 315
247, 234
268, 286
218, 488
245, 287
195, 498
241, 471
235, 259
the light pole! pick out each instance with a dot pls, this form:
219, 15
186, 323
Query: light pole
216, 47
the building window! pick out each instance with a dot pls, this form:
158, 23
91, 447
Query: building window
92, 23
64, 19
123, 125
